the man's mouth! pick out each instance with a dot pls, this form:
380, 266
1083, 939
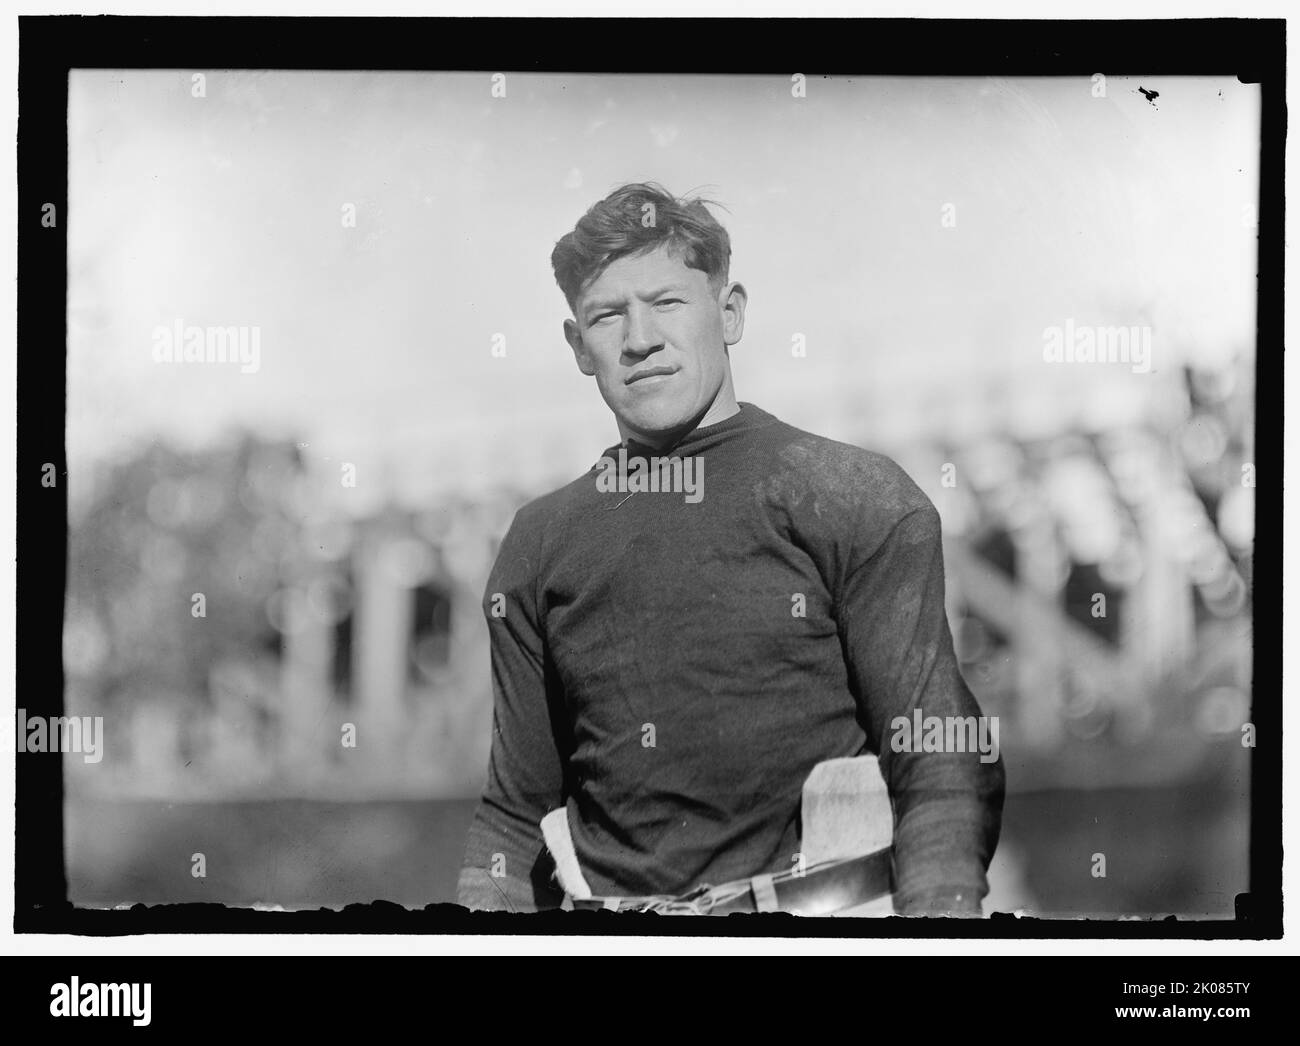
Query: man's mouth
648, 372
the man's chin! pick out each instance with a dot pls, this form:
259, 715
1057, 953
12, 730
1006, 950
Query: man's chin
657, 425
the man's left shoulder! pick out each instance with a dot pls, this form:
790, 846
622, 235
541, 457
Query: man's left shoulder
851, 477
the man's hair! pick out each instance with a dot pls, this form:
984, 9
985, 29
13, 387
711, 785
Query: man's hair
635, 219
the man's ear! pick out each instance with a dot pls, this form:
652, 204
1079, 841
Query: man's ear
574, 337
732, 300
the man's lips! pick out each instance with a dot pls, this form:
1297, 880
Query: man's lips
648, 372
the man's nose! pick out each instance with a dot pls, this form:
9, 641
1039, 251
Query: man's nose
642, 333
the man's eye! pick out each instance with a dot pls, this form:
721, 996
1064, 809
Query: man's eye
669, 301
603, 316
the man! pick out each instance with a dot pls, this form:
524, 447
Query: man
675, 647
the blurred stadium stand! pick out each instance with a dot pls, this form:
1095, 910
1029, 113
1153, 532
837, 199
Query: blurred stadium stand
1098, 592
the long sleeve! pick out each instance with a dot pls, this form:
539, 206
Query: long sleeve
947, 804
506, 865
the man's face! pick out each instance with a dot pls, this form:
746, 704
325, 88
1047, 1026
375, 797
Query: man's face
654, 335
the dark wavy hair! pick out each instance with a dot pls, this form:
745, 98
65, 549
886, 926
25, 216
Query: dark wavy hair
616, 227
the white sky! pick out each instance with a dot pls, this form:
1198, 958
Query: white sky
375, 340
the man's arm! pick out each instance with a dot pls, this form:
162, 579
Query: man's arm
947, 805
506, 865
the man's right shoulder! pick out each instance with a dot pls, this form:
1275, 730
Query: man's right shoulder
536, 520
537, 525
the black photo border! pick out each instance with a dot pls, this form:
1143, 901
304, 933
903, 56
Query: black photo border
1254, 50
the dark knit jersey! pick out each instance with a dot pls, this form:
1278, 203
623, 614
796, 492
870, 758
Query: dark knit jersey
672, 668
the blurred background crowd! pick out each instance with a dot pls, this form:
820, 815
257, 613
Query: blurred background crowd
276, 577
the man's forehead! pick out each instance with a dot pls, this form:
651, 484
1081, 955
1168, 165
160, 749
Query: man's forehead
654, 270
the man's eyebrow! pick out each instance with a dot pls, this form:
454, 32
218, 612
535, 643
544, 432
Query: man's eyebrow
668, 288
608, 303
589, 307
